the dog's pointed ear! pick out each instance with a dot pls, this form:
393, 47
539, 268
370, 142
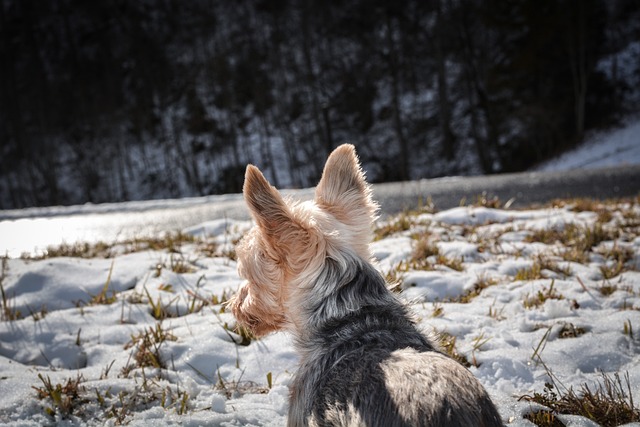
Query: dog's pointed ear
265, 203
343, 190
284, 234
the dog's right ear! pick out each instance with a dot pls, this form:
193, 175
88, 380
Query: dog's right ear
343, 190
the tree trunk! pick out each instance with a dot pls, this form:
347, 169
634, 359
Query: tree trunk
478, 98
310, 80
392, 62
578, 62
444, 106
267, 150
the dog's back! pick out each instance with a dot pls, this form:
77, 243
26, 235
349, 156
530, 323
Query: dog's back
372, 367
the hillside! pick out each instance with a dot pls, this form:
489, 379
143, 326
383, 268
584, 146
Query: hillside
117, 101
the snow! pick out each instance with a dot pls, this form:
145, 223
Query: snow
615, 147
63, 335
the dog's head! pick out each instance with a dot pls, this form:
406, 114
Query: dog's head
285, 252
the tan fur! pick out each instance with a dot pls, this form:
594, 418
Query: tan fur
286, 248
344, 193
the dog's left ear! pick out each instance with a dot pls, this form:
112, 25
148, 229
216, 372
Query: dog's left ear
265, 203
271, 213
343, 190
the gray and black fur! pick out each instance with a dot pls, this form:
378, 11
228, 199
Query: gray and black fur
364, 362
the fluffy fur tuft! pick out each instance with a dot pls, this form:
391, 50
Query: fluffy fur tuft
363, 361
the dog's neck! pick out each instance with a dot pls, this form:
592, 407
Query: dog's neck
343, 289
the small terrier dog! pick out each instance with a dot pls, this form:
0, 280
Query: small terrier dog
363, 360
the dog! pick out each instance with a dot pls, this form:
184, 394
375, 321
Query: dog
363, 361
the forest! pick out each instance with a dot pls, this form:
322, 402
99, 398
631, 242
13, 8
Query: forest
115, 100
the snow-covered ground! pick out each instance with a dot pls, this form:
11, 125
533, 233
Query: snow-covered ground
142, 337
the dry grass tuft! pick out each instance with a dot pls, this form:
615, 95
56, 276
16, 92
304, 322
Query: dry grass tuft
569, 330
147, 348
609, 404
9, 312
482, 282
402, 222
64, 398
447, 343
540, 297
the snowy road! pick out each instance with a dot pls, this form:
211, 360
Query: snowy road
524, 189
32, 230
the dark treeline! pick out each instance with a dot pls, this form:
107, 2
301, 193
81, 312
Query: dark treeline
117, 99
